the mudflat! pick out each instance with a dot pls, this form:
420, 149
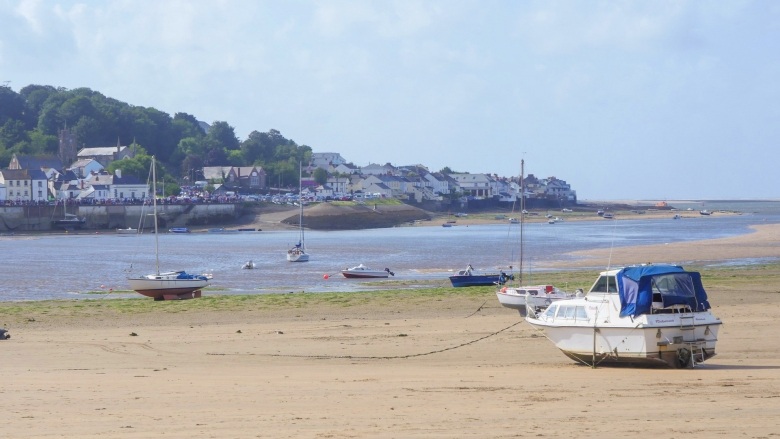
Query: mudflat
390, 365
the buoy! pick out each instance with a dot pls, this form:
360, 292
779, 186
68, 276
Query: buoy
325, 276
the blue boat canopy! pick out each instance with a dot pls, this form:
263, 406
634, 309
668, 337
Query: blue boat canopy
640, 286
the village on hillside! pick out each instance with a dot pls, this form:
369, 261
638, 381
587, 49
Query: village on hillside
83, 180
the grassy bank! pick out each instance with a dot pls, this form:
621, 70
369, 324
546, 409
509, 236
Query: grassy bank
726, 286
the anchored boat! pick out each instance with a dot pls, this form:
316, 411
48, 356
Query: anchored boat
638, 315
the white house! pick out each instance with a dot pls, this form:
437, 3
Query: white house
85, 167
475, 185
25, 184
325, 160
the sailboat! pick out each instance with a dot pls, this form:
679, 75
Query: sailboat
298, 252
525, 297
171, 285
68, 221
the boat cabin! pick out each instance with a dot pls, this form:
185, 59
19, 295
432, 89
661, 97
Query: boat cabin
653, 289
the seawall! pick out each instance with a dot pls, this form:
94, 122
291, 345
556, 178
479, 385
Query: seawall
40, 218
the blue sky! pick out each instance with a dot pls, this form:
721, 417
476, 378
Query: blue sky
622, 99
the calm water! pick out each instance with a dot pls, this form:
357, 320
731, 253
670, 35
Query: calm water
68, 266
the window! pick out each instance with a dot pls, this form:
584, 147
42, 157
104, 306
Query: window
605, 284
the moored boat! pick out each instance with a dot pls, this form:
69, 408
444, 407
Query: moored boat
535, 297
297, 253
179, 230
363, 272
171, 285
127, 231
523, 297
470, 278
638, 315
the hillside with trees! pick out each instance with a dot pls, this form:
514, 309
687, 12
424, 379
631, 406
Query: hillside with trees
30, 122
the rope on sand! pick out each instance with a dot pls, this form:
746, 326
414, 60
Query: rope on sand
389, 357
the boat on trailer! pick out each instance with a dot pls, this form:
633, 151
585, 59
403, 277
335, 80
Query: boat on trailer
653, 315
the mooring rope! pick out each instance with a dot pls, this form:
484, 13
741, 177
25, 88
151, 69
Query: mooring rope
386, 357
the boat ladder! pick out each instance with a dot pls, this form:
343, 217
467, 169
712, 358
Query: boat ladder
695, 346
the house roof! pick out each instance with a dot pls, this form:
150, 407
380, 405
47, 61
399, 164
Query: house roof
38, 162
100, 151
23, 174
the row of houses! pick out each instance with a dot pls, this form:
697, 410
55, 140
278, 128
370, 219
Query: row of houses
37, 179
416, 182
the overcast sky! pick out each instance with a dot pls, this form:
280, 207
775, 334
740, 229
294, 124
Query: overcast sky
622, 99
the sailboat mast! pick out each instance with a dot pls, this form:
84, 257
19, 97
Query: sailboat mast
300, 202
154, 215
522, 215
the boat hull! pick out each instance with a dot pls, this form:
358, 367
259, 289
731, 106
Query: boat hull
364, 275
655, 341
161, 288
534, 297
475, 280
297, 257
68, 224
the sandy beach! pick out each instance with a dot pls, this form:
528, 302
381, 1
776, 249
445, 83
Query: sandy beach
457, 365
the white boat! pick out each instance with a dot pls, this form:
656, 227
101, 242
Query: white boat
171, 285
298, 252
362, 272
535, 297
249, 265
525, 297
127, 231
638, 315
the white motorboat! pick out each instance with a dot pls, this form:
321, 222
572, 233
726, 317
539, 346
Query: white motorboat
126, 231
362, 272
172, 285
638, 315
249, 265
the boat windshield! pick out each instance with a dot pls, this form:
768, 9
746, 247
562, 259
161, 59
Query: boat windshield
605, 284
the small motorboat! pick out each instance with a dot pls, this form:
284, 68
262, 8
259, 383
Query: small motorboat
248, 265
470, 278
127, 231
363, 272
179, 230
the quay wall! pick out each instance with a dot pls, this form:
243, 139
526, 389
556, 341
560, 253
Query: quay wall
40, 218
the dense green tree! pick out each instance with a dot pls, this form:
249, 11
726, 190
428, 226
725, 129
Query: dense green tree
12, 133
320, 176
12, 106
38, 112
223, 135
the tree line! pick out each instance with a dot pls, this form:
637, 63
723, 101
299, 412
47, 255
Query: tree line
31, 119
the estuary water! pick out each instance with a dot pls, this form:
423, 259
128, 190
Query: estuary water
39, 267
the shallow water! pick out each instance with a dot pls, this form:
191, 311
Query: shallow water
70, 266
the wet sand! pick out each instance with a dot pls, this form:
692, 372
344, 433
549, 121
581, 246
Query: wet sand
452, 366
